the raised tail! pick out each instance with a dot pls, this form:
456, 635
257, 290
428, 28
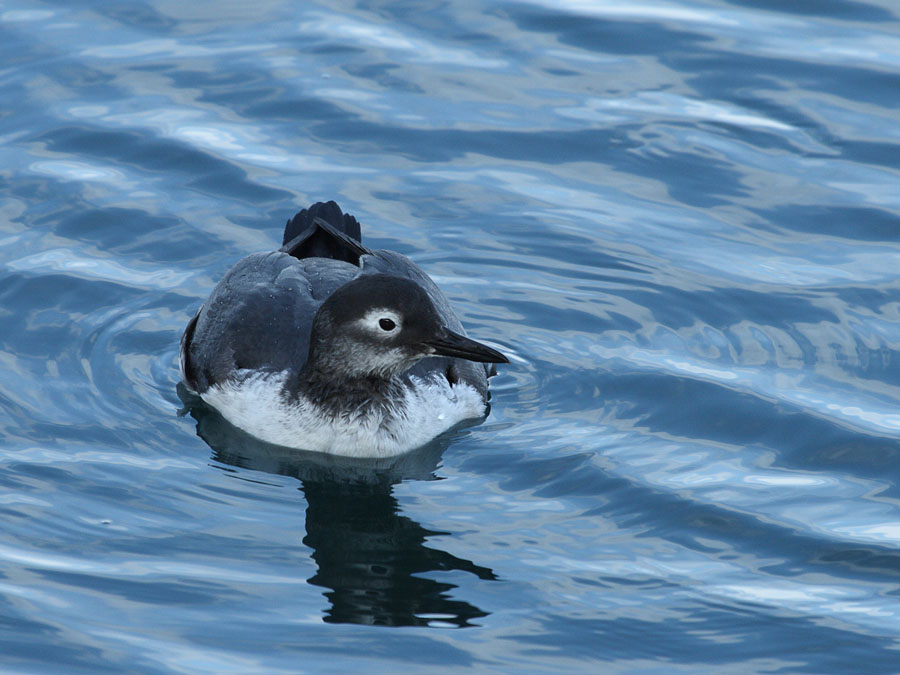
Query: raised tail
324, 231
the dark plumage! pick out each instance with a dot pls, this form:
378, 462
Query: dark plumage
331, 324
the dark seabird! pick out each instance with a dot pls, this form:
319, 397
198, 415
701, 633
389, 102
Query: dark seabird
328, 346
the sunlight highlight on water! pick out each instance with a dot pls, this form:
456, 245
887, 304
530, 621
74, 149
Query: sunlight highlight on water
679, 219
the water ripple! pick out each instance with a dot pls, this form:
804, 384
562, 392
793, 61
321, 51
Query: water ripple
678, 220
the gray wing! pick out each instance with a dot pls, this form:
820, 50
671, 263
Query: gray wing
259, 316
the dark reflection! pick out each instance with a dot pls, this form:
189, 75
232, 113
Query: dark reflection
368, 555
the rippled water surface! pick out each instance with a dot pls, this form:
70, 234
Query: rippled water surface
680, 219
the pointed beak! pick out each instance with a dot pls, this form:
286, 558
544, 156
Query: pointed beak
453, 344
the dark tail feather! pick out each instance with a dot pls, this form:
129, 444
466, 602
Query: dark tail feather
323, 231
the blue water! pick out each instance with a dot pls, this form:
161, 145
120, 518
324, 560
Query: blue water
681, 220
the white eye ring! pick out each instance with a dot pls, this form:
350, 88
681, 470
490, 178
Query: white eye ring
382, 322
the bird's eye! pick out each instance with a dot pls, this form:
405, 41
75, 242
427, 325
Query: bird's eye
387, 325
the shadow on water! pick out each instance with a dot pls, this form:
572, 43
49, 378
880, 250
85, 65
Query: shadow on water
370, 556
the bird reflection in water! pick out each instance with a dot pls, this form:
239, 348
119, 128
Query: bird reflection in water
370, 557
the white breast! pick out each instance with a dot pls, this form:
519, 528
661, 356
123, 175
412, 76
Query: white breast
254, 403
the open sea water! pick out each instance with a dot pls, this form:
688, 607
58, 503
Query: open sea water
681, 220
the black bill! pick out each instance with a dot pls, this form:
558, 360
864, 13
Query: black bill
453, 344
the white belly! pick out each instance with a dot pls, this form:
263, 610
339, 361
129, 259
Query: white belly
255, 404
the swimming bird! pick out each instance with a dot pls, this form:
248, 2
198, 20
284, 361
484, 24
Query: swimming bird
326, 345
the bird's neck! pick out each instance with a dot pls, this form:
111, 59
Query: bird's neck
341, 394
